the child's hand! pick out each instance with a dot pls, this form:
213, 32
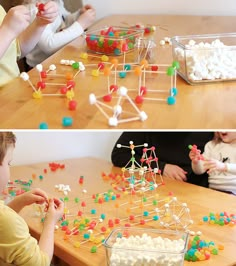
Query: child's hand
47, 13
55, 210
33, 196
36, 195
87, 18
214, 165
16, 20
85, 8
194, 157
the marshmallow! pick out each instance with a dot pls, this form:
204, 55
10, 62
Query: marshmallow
24, 76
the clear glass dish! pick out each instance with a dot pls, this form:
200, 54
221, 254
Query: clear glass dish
112, 40
205, 58
145, 246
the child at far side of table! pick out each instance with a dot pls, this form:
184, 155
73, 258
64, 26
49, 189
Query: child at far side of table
218, 160
19, 36
67, 27
17, 246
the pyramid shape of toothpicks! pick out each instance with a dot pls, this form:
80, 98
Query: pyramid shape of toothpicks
114, 113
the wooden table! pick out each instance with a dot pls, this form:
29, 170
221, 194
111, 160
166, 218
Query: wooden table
210, 106
201, 202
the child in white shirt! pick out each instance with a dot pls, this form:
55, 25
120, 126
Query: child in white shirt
218, 160
67, 27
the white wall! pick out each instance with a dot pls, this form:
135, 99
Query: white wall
180, 7
48, 146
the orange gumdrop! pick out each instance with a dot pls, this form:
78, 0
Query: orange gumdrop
107, 71
114, 62
69, 76
144, 63
137, 71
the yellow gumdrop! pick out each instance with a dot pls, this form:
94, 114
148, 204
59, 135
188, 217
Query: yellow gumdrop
95, 73
84, 55
97, 240
70, 94
37, 95
66, 211
77, 244
105, 58
202, 257
92, 238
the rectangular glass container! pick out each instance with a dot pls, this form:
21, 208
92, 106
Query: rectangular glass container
205, 58
145, 246
112, 40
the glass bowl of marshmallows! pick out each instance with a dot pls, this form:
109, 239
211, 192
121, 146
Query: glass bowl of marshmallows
145, 246
205, 58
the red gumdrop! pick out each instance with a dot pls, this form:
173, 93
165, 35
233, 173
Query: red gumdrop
41, 7
142, 160
139, 99
100, 201
154, 68
70, 84
147, 30
101, 65
43, 74
113, 88
143, 90
83, 204
107, 98
80, 213
41, 85
72, 105
131, 217
63, 90
124, 47
117, 220
103, 229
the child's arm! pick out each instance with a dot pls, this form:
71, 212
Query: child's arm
215, 165
52, 41
196, 160
30, 37
16, 21
55, 209
54, 213
87, 16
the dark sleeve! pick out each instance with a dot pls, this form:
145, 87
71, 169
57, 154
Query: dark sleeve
121, 156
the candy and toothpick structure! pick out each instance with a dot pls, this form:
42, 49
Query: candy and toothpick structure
119, 103
115, 91
64, 86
